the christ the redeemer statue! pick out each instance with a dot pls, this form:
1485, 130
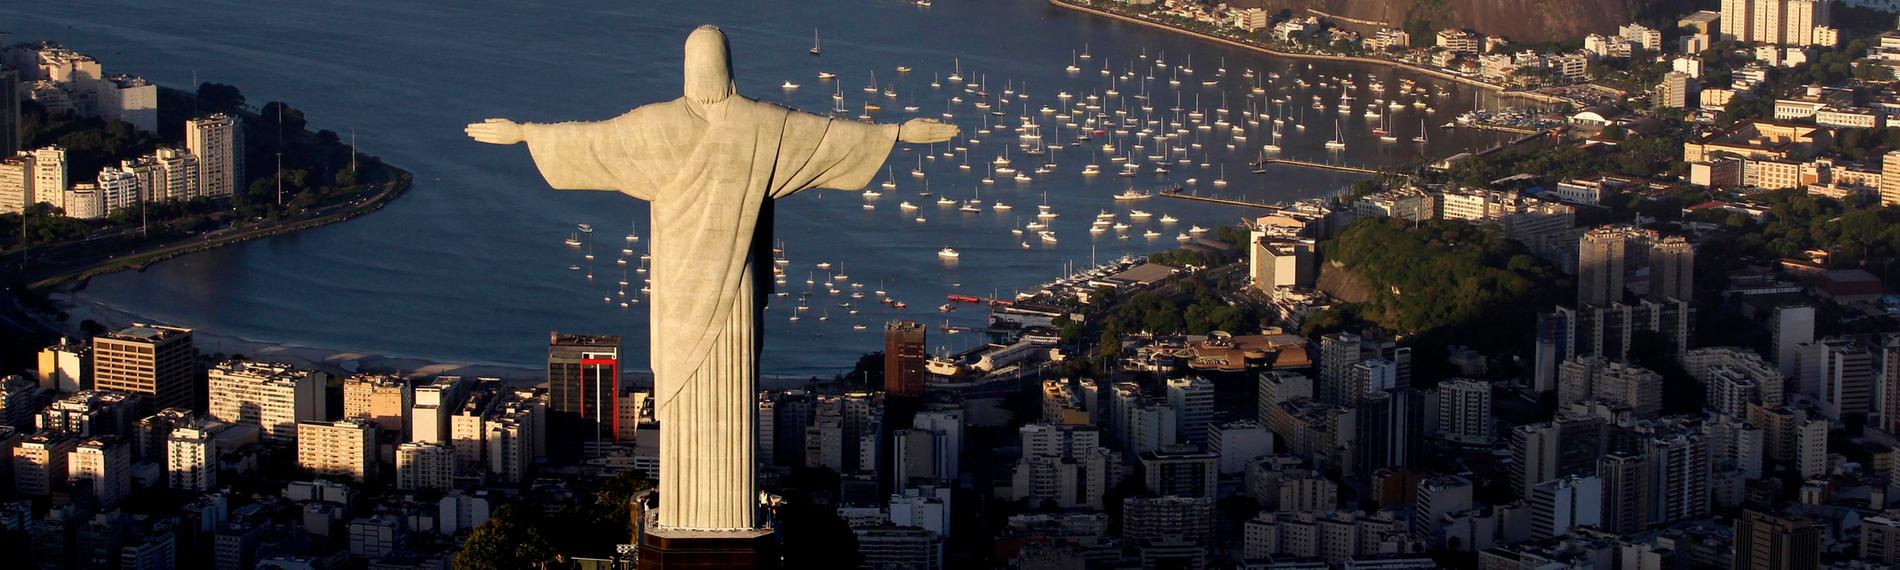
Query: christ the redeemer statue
709, 162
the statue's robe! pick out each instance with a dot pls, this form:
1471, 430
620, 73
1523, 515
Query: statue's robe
711, 184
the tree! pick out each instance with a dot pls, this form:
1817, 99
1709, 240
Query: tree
510, 539
219, 98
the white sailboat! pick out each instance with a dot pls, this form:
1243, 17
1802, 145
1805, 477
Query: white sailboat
1336, 143
814, 42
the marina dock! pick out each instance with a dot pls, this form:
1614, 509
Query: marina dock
1325, 166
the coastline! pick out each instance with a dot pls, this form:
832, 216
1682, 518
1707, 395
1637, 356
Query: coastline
333, 361
140, 260
1400, 65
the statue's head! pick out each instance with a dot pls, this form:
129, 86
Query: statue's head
708, 66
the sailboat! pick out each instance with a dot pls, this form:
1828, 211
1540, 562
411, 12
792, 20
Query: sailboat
814, 42
1336, 143
956, 71
1072, 68
1421, 131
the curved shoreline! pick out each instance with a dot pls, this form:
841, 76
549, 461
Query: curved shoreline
399, 183
1500, 91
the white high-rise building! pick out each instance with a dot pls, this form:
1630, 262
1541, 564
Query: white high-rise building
1736, 21
1193, 401
273, 397
1766, 20
1464, 411
342, 447
179, 171
1793, 327
422, 466
16, 183
119, 188
107, 462
218, 142
84, 201
191, 458
49, 175
434, 403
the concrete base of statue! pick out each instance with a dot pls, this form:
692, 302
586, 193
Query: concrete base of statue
676, 549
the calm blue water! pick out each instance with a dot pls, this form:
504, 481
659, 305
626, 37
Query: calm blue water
469, 267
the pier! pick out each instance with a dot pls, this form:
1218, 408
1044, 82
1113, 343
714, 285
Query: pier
1178, 194
1325, 166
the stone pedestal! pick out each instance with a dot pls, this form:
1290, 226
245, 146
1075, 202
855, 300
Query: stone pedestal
675, 549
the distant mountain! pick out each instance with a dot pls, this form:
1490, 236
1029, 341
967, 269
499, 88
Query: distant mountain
1521, 21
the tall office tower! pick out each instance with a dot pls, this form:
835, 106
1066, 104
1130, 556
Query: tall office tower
154, 360
381, 398
271, 396
1600, 265
1839, 374
903, 359
1387, 430
1672, 269
342, 447
1890, 383
1678, 477
1793, 327
49, 175
1768, 542
1193, 401
584, 382
793, 413
39, 463
106, 461
1736, 20
218, 142
1464, 411
424, 466
1626, 491
9, 111
16, 183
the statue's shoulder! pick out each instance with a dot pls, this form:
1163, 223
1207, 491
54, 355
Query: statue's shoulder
653, 109
757, 106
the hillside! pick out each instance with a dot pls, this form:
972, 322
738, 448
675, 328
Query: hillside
1521, 21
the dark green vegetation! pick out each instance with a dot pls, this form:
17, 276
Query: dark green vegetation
1861, 236
527, 534
1439, 283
